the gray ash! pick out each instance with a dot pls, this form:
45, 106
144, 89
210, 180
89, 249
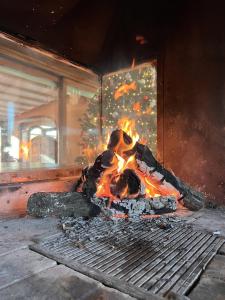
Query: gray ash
81, 230
137, 206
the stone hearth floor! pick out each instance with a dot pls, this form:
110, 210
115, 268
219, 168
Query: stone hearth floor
25, 274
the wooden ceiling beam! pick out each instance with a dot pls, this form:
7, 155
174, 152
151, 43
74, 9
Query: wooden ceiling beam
10, 97
30, 88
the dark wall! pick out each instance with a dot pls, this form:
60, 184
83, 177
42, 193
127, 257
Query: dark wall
194, 97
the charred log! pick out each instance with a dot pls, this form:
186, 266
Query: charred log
128, 181
191, 199
61, 205
115, 139
87, 182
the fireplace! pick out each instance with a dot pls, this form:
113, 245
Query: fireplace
111, 168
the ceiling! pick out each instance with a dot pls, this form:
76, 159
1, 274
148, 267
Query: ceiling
21, 92
103, 35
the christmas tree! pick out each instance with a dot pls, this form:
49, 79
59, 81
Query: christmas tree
90, 132
130, 94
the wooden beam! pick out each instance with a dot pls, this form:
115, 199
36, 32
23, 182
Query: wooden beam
20, 50
16, 86
7, 97
21, 82
32, 98
4, 103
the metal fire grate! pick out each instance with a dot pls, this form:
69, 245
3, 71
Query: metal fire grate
143, 262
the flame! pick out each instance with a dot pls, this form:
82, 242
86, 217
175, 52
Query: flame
24, 150
128, 126
125, 89
120, 162
91, 152
133, 63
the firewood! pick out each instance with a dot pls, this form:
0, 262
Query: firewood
87, 183
129, 181
147, 163
61, 205
191, 198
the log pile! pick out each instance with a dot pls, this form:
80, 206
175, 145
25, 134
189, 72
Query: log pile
147, 164
82, 200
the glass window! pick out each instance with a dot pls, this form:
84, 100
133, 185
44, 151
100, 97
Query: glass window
82, 125
28, 117
132, 94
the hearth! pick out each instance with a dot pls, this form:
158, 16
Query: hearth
146, 259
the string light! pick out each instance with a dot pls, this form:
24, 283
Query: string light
137, 86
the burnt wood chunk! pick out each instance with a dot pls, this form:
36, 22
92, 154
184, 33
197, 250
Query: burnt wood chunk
115, 139
191, 198
87, 183
127, 180
60, 205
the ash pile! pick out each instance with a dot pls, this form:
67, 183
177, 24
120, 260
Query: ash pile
82, 230
136, 207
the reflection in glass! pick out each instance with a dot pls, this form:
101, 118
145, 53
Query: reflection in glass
82, 125
28, 117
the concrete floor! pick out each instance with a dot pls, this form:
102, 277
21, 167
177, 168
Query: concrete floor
25, 274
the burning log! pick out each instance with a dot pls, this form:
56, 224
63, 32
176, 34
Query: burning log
61, 205
128, 183
87, 181
191, 199
163, 182
124, 178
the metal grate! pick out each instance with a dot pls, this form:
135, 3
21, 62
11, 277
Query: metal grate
145, 262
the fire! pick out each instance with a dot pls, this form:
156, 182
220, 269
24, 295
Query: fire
24, 150
133, 63
128, 126
121, 162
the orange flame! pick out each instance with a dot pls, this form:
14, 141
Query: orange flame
90, 153
24, 150
120, 162
125, 89
128, 126
133, 63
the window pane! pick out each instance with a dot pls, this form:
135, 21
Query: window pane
82, 125
132, 94
28, 111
